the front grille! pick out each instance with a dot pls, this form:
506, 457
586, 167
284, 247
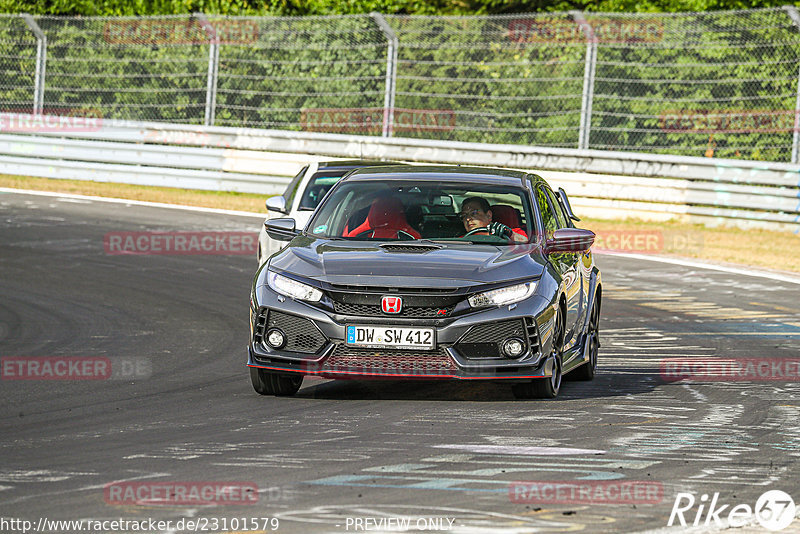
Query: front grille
484, 341
302, 335
374, 310
391, 361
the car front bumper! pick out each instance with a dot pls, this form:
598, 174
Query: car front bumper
467, 345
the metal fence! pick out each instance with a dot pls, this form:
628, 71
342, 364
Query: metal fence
721, 84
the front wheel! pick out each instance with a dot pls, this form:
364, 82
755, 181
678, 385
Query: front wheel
267, 383
546, 388
591, 346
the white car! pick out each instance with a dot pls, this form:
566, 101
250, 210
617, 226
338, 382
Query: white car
303, 195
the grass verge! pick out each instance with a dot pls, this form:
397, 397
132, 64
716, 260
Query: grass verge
756, 248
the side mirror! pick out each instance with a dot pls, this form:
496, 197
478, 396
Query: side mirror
281, 229
277, 203
565, 201
570, 240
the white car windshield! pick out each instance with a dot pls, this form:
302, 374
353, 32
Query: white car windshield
317, 188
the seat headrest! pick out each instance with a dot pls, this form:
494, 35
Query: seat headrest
386, 211
505, 214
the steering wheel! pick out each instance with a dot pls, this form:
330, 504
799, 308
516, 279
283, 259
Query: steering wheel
477, 230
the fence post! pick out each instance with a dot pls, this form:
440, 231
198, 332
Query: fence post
588, 79
391, 72
792, 12
213, 67
41, 63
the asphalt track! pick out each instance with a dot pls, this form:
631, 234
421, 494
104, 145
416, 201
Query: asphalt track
346, 450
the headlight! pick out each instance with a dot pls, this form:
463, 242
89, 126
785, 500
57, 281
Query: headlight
292, 288
502, 296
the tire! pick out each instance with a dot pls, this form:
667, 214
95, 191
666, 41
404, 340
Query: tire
588, 370
546, 388
280, 385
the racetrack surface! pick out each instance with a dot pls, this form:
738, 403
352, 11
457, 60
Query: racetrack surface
342, 450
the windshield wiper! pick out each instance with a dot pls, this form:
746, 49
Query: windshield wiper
443, 240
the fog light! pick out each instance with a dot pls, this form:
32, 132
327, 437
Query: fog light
275, 338
513, 347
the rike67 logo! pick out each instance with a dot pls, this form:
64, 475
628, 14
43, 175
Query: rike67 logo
774, 510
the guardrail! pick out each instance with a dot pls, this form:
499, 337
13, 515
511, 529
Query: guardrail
600, 183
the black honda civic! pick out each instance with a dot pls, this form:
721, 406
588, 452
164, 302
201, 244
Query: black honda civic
409, 272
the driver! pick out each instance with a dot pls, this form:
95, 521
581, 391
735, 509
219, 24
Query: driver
476, 215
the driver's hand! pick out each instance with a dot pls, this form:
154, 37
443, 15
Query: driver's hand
500, 230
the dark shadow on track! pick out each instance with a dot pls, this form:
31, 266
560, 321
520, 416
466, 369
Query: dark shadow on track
619, 384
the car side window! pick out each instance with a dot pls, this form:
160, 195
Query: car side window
291, 189
563, 221
548, 217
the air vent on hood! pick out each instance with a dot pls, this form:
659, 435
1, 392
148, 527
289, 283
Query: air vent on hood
409, 249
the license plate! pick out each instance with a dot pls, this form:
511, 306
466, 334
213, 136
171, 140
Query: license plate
394, 337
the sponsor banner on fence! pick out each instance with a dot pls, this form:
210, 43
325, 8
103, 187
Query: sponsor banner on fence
180, 243
587, 492
729, 121
193, 493
51, 120
731, 369
74, 368
180, 31
600, 29
370, 120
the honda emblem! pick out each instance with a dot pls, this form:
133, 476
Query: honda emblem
391, 304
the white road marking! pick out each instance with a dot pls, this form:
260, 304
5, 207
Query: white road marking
502, 449
135, 202
711, 267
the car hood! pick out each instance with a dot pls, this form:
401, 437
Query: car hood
366, 263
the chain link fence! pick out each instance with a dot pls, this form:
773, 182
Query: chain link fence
721, 84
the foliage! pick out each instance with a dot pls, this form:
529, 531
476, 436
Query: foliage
721, 84
331, 7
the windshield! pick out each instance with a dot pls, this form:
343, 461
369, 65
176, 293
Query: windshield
317, 188
408, 210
